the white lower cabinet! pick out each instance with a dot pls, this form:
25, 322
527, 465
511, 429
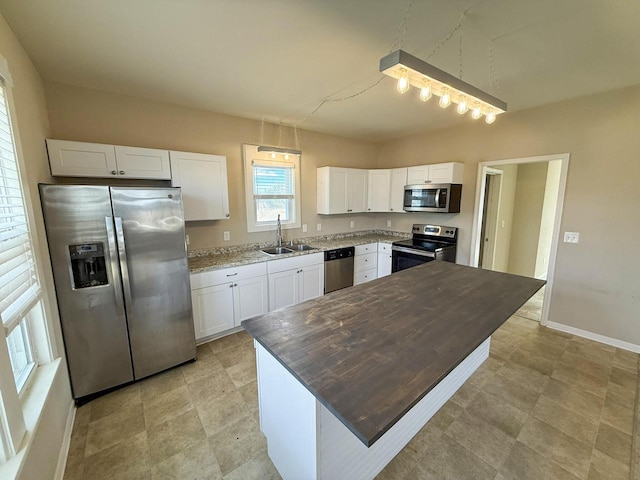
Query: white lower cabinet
384, 259
221, 299
295, 280
365, 263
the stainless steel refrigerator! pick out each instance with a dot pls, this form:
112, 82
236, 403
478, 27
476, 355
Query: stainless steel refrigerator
120, 269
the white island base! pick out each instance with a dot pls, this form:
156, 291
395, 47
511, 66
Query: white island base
307, 442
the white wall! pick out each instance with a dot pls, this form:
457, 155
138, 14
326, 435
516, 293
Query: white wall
527, 217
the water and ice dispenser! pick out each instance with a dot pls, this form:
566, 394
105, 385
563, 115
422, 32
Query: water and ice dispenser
88, 265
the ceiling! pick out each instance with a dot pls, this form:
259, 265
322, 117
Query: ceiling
278, 59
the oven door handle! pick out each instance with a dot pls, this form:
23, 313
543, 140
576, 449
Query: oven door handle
420, 253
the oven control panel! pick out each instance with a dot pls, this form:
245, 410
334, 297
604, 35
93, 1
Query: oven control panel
434, 230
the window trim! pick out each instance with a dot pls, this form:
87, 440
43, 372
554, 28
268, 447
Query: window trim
251, 154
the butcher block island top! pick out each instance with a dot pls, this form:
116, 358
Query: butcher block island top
369, 353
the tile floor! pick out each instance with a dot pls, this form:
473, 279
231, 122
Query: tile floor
545, 405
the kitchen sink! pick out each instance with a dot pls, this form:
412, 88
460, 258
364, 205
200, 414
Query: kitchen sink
277, 250
300, 248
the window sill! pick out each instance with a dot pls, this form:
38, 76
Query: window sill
33, 403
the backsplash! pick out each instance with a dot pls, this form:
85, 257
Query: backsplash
321, 238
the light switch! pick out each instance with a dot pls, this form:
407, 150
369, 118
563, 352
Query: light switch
352, 224
571, 237
304, 228
388, 223
227, 236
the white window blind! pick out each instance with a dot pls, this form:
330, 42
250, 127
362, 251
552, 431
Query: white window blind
19, 287
273, 191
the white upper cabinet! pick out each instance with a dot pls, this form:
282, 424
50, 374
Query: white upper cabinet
203, 179
451, 172
357, 190
81, 159
386, 190
379, 184
341, 190
396, 190
418, 174
136, 162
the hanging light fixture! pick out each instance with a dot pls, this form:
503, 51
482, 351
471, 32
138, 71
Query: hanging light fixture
412, 71
274, 151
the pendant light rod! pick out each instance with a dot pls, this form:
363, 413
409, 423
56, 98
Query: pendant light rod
400, 63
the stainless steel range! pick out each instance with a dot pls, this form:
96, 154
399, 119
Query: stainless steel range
429, 242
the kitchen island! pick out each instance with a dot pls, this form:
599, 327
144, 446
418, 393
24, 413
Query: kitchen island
346, 380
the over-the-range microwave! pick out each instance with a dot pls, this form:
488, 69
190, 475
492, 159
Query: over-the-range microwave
441, 198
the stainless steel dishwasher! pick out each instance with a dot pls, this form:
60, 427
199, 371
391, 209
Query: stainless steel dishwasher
338, 268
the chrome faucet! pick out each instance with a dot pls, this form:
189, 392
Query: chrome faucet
279, 232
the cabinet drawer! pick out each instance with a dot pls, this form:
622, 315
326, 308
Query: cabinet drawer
384, 247
366, 248
364, 262
365, 276
216, 277
300, 261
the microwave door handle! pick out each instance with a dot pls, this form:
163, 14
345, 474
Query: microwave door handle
113, 262
437, 205
124, 266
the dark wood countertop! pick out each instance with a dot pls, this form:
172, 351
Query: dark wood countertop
369, 353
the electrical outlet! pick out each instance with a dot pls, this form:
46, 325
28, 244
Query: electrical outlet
304, 228
502, 223
319, 227
227, 236
571, 237
187, 239
352, 224
389, 223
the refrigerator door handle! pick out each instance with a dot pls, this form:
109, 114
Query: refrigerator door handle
124, 268
113, 259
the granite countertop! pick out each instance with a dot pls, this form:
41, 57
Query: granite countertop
227, 257
371, 352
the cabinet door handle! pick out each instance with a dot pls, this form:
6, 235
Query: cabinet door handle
114, 172
235, 284
121, 172
227, 215
232, 274
369, 209
391, 209
231, 285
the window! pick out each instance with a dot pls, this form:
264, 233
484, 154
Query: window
272, 188
19, 286
27, 354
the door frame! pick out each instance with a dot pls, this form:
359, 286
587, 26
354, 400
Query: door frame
493, 172
483, 169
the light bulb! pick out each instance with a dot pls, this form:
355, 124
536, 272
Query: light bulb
403, 81
476, 113
445, 98
273, 155
491, 117
462, 105
286, 156
425, 91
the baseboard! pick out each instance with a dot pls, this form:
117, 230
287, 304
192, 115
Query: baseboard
66, 443
614, 342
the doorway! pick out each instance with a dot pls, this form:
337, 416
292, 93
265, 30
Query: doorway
516, 226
